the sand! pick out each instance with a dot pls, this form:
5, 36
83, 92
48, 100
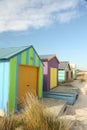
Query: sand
53, 106
80, 107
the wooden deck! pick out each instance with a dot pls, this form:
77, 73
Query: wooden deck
65, 89
68, 94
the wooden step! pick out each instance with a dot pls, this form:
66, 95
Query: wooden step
69, 98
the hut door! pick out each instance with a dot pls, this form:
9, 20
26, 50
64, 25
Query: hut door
53, 77
67, 75
27, 81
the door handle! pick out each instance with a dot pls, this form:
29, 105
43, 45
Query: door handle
27, 85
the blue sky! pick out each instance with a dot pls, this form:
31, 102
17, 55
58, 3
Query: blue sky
52, 27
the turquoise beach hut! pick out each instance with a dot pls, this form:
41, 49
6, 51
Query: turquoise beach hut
64, 71
21, 71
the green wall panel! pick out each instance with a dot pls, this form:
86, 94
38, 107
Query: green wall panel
37, 59
40, 82
30, 56
23, 57
12, 84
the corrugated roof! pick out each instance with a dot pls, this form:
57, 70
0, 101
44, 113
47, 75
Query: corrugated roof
6, 53
46, 57
63, 65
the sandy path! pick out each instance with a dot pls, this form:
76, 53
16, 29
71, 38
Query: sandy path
80, 106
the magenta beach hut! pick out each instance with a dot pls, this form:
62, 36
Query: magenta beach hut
50, 71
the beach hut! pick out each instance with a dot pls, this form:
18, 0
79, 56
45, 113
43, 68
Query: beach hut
50, 71
21, 71
73, 71
64, 72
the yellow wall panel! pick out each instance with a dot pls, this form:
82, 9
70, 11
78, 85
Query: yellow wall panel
53, 77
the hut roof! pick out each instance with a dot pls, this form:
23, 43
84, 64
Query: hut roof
6, 53
73, 66
48, 57
63, 65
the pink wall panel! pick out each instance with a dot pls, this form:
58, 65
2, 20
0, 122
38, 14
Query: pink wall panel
45, 68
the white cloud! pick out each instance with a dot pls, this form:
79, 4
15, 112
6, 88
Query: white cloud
23, 14
67, 16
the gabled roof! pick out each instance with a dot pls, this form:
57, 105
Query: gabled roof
6, 53
48, 57
72, 66
63, 65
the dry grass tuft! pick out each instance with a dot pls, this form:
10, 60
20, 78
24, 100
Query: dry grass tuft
10, 122
36, 118
33, 117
